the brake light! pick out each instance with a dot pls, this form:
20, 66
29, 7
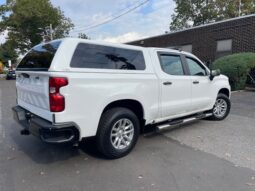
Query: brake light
57, 101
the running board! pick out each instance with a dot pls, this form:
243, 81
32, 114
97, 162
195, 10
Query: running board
174, 123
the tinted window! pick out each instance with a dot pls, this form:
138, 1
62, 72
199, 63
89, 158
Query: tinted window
171, 64
195, 68
104, 57
40, 57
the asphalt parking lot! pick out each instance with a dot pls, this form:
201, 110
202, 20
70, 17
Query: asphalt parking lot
201, 156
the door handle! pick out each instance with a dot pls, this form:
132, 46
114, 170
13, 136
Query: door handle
167, 83
195, 82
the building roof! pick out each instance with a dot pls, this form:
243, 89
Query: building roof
196, 27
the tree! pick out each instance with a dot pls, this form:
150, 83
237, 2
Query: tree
189, 13
7, 52
83, 36
28, 20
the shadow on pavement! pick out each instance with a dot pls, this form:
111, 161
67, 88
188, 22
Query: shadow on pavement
44, 153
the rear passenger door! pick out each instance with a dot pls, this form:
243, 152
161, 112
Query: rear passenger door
175, 85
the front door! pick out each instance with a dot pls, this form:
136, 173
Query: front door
201, 85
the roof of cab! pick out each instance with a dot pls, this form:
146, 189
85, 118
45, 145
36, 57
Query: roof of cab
120, 45
78, 40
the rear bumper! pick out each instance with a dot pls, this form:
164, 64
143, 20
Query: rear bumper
45, 130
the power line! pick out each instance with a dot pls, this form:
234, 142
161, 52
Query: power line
109, 17
112, 19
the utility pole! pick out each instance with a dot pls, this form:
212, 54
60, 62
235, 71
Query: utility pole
47, 33
239, 10
51, 32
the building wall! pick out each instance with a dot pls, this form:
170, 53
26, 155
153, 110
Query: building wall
204, 39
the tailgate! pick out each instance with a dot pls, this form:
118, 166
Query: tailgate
33, 79
33, 93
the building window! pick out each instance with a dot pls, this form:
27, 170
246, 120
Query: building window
224, 47
187, 48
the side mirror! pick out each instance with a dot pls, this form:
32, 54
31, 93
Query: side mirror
214, 73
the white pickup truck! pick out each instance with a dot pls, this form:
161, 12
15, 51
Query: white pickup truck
71, 89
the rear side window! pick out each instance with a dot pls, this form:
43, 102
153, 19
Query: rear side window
104, 57
39, 58
171, 64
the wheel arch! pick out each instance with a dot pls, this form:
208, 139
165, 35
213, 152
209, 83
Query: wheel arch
131, 104
224, 91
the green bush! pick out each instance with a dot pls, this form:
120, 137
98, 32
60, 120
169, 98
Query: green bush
236, 67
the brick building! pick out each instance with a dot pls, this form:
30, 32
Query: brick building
209, 41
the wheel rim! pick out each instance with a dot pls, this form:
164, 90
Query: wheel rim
122, 134
220, 108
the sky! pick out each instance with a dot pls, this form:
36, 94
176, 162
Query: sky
153, 18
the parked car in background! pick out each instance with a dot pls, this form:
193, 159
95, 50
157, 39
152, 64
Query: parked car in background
71, 89
11, 75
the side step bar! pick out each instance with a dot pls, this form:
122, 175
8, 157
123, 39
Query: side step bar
173, 123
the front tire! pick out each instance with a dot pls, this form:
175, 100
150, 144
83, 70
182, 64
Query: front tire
118, 132
221, 108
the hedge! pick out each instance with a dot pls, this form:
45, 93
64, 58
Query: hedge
236, 67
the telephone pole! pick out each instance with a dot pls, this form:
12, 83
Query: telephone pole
239, 10
51, 32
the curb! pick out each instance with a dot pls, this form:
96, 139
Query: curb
252, 89
237, 91
245, 90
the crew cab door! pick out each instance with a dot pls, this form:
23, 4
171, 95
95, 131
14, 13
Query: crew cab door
202, 88
175, 85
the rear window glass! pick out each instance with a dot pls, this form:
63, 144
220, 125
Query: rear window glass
40, 57
104, 57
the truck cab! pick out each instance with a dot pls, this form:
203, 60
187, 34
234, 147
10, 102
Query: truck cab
185, 83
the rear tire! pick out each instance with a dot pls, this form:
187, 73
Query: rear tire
118, 132
221, 108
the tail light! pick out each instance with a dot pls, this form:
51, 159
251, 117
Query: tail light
57, 101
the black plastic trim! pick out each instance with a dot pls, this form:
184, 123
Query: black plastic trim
48, 132
33, 69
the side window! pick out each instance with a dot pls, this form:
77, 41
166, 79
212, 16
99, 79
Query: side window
105, 57
171, 64
195, 68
